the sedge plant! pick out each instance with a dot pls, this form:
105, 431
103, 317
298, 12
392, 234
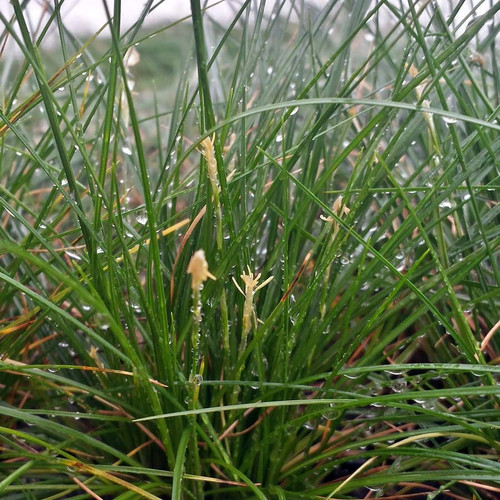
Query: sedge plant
333, 168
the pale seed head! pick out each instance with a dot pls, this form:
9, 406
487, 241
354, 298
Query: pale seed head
338, 209
198, 269
208, 152
250, 280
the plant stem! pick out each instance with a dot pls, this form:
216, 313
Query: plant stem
208, 122
193, 389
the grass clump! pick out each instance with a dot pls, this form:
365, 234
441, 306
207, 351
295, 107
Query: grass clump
340, 162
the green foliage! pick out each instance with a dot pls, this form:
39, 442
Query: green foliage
351, 153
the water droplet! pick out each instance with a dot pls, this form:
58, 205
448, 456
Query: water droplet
142, 219
430, 404
72, 255
445, 204
398, 385
394, 372
126, 150
345, 259
330, 414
